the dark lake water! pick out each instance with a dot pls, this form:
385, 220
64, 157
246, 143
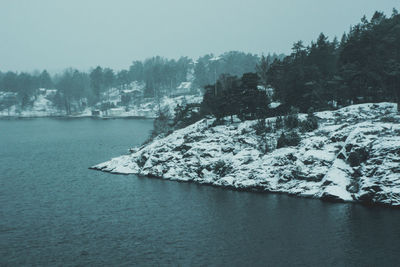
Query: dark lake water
55, 211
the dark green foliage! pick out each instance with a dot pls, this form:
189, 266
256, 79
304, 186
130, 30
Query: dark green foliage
292, 120
221, 168
279, 122
262, 127
186, 115
162, 124
354, 159
218, 122
311, 122
45, 80
289, 139
357, 156
363, 67
97, 81
72, 85
232, 96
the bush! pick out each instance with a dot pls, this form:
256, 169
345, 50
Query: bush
289, 139
217, 122
354, 159
390, 119
279, 122
261, 127
265, 145
162, 124
357, 156
186, 115
221, 168
310, 124
292, 120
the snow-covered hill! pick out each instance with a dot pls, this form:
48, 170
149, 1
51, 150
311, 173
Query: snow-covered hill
354, 155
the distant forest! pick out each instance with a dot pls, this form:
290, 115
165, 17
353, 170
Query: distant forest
363, 66
160, 75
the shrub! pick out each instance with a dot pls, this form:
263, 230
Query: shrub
354, 159
260, 127
311, 122
186, 115
388, 118
221, 168
162, 124
279, 122
357, 156
289, 139
292, 120
265, 145
217, 122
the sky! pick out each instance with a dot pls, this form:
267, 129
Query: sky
56, 34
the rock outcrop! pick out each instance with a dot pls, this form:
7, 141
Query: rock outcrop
354, 155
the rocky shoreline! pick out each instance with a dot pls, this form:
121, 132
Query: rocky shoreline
353, 156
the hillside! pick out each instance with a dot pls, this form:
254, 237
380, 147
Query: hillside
353, 156
43, 105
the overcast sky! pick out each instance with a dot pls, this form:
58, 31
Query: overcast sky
55, 34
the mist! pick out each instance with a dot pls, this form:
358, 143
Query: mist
54, 35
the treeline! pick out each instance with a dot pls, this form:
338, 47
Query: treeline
363, 67
208, 68
159, 75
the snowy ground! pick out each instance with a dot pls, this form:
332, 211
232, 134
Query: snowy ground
149, 109
320, 166
42, 107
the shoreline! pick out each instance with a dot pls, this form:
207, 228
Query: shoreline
320, 167
75, 117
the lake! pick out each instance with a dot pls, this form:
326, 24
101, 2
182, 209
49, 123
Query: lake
55, 211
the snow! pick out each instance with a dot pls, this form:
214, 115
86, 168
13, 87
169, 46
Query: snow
274, 104
42, 107
319, 167
148, 108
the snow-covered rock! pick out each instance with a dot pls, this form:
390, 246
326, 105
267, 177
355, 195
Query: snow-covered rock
354, 155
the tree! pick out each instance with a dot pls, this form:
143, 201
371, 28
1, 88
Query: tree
235, 97
96, 81
10, 82
108, 78
262, 70
45, 80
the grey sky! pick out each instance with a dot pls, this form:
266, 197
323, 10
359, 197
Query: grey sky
55, 34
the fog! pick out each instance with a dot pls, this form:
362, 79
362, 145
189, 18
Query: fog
54, 35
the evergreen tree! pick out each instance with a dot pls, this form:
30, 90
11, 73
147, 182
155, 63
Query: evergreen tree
96, 81
45, 80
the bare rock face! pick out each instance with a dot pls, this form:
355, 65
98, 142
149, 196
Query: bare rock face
354, 155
